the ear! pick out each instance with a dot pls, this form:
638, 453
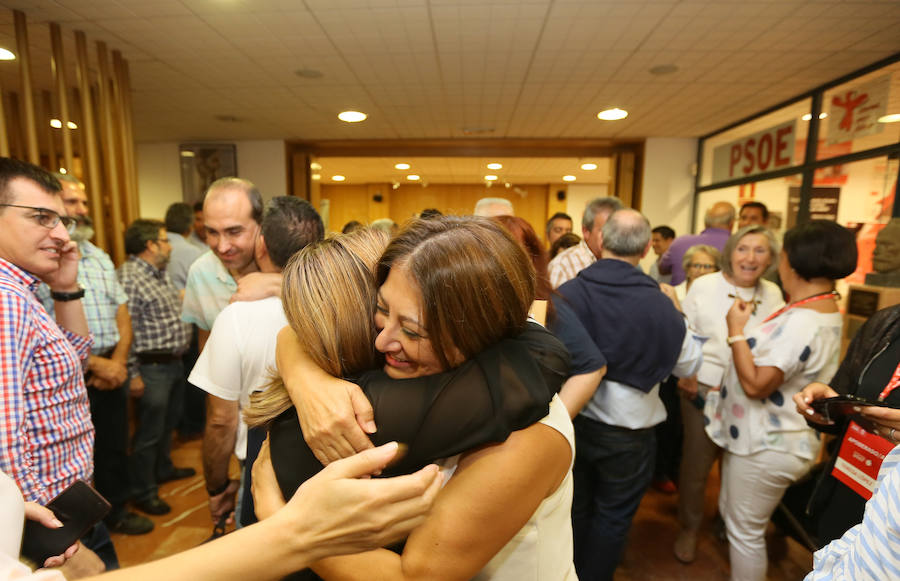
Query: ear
646, 248
260, 251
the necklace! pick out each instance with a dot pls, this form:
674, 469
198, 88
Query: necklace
819, 297
753, 300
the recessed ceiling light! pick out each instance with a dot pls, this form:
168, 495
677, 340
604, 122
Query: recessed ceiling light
63, 171
315, 177
495, 166
338, 178
412, 177
663, 69
808, 116
352, 116
401, 166
823, 115
315, 166
308, 73
56, 123
7, 55
187, 153
490, 178
569, 178
589, 166
71, 125
612, 114
892, 118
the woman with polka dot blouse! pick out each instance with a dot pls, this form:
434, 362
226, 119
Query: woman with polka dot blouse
767, 445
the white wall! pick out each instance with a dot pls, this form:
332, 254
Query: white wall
159, 172
577, 198
668, 185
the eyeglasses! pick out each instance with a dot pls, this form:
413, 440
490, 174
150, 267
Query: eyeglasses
701, 266
47, 218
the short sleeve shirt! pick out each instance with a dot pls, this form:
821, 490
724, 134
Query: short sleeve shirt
209, 288
804, 345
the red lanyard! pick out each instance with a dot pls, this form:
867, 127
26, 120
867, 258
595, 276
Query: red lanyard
821, 297
891, 386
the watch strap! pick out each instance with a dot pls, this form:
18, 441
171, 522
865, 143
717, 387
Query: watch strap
67, 296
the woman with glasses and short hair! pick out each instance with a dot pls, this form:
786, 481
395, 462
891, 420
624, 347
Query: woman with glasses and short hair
699, 259
746, 257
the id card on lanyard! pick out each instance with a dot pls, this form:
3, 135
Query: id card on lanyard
860, 458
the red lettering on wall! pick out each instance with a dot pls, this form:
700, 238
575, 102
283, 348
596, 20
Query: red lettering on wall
735, 158
781, 146
764, 152
748, 154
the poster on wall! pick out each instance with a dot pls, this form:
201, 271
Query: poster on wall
823, 204
854, 113
202, 164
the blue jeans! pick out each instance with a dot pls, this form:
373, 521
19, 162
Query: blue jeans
613, 468
158, 412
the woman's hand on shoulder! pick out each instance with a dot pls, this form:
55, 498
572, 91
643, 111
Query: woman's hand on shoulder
812, 392
335, 415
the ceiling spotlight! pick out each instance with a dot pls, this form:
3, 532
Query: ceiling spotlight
507, 185
412, 177
338, 178
490, 178
56, 123
395, 185
495, 166
823, 115
315, 165
63, 171
589, 166
71, 125
612, 114
401, 166
7, 55
352, 116
892, 118
569, 178
808, 116
315, 177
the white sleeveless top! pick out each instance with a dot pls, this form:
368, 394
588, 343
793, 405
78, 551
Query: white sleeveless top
542, 549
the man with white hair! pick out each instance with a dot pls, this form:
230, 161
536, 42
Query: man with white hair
490, 207
571, 261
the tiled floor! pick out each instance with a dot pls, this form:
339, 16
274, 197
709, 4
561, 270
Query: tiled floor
648, 556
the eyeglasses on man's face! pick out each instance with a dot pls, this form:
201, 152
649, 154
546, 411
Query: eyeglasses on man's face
46, 217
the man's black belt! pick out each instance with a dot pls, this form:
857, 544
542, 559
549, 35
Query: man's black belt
157, 357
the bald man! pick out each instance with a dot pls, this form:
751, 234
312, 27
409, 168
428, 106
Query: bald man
719, 221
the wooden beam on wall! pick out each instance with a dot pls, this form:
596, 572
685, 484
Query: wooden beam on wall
110, 154
90, 153
4, 141
58, 67
46, 113
122, 101
27, 98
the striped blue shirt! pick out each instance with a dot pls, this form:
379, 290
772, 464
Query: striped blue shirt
102, 296
870, 551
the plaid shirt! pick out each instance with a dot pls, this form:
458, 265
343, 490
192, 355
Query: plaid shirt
102, 296
46, 435
155, 308
568, 263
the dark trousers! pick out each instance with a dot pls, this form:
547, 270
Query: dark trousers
158, 412
255, 438
109, 413
613, 468
193, 417
668, 433
97, 539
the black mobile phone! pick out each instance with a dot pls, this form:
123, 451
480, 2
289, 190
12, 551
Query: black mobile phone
78, 507
833, 408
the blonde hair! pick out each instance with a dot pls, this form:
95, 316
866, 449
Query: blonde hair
328, 295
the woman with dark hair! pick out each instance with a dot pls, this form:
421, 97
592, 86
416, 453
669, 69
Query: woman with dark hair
567, 240
505, 511
767, 445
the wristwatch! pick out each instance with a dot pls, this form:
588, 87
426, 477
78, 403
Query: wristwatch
67, 296
734, 339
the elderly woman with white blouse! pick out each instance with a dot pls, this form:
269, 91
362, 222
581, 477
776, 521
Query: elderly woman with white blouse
747, 255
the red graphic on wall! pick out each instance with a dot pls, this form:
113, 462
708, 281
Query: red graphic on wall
848, 103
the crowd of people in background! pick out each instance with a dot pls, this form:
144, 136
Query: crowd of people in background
540, 384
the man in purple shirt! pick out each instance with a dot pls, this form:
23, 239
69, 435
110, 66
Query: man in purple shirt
719, 220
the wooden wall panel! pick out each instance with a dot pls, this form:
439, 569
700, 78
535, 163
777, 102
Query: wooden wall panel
355, 202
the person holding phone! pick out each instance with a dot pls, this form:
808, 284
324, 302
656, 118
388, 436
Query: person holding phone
868, 371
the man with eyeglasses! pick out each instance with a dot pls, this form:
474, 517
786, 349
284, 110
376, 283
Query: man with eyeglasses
157, 372
106, 376
46, 435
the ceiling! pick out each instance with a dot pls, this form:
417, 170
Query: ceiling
434, 69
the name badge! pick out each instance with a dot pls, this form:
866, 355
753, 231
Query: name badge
860, 458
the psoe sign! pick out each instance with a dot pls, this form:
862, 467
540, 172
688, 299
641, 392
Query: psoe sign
768, 150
